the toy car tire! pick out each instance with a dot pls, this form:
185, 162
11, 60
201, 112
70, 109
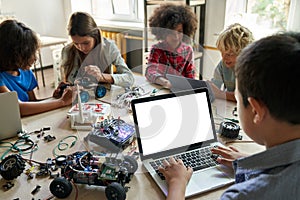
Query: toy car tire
133, 164
60, 187
12, 166
100, 91
115, 191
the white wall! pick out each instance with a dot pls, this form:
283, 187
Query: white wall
46, 17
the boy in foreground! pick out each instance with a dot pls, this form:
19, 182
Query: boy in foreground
268, 106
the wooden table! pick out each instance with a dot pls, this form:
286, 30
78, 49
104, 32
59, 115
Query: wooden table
141, 186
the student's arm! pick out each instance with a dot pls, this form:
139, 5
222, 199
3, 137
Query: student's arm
31, 96
123, 75
155, 69
35, 107
163, 82
177, 177
94, 70
189, 68
220, 94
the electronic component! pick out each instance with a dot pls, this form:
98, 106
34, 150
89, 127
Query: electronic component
35, 190
89, 114
124, 100
111, 134
8, 185
112, 170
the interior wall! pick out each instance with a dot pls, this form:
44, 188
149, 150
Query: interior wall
45, 17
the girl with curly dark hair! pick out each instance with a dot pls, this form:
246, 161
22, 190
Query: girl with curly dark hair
173, 25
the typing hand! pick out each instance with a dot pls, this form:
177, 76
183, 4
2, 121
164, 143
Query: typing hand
177, 177
227, 155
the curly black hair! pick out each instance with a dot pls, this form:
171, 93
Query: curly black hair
169, 16
19, 45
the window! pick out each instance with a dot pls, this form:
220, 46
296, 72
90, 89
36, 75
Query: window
262, 17
117, 10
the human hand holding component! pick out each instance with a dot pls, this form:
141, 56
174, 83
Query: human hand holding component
57, 93
67, 96
95, 71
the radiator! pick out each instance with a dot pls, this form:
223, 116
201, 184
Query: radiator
119, 40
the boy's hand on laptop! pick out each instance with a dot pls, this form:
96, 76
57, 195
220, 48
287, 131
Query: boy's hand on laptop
227, 155
177, 176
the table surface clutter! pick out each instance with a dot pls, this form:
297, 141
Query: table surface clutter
55, 136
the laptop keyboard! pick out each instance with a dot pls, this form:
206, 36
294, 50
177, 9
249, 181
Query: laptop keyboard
196, 159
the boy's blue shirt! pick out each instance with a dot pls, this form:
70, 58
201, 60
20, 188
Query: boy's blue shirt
272, 174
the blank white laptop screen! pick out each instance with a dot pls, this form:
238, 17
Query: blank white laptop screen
169, 123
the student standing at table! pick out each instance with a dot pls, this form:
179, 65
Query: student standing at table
173, 25
18, 52
92, 55
269, 113
230, 43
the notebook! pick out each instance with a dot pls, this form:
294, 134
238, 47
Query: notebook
176, 123
10, 118
180, 83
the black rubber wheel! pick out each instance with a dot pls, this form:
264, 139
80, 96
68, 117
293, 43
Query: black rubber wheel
133, 164
12, 166
100, 91
115, 191
60, 187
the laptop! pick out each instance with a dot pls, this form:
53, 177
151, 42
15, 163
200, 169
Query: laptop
10, 118
174, 124
180, 83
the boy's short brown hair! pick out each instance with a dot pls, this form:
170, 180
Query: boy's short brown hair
268, 70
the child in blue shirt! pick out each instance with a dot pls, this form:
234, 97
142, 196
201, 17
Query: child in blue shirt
18, 49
